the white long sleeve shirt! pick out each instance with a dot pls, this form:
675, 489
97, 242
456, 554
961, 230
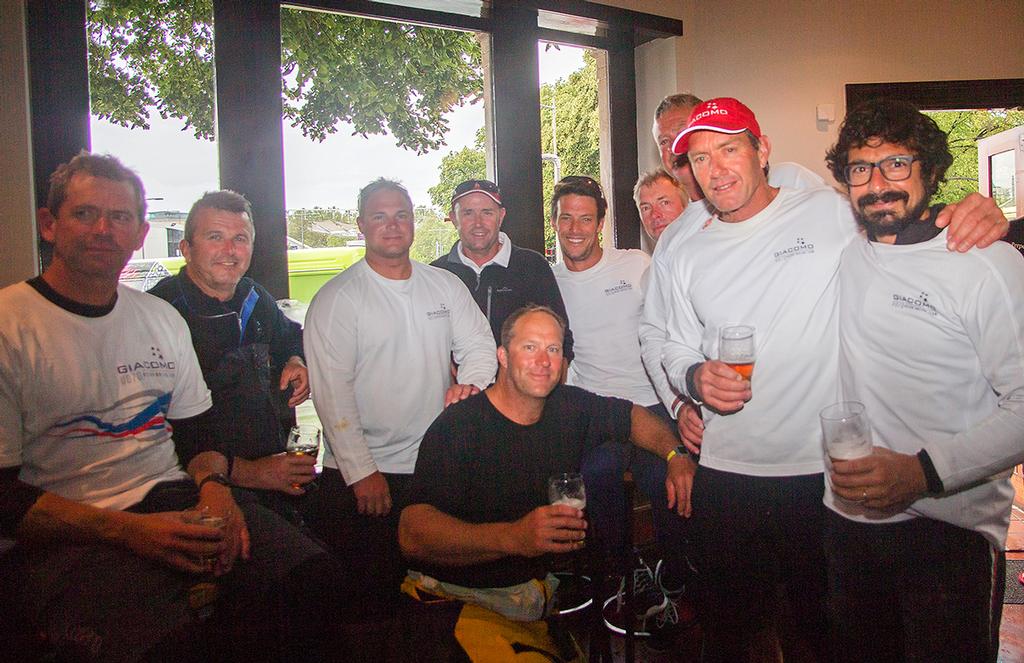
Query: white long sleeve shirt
604, 304
777, 271
932, 342
657, 300
378, 351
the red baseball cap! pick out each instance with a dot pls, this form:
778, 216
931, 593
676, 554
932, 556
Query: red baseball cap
723, 115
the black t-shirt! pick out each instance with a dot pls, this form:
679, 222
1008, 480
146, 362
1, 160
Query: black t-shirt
480, 467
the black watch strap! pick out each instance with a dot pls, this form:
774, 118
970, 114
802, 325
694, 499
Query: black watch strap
216, 477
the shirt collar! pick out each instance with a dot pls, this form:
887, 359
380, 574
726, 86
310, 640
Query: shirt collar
500, 258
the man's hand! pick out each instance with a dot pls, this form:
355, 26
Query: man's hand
691, 427
167, 538
373, 496
296, 374
721, 388
679, 484
459, 392
557, 528
278, 472
218, 500
883, 480
974, 221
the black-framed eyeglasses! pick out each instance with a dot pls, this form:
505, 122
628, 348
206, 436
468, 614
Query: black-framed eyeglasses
895, 169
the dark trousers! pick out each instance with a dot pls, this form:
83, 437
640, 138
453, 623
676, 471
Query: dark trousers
918, 591
98, 602
761, 563
367, 546
602, 469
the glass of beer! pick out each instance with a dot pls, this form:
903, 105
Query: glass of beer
207, 518
574, 589
846, 430
736, 348
568, 489
303, 440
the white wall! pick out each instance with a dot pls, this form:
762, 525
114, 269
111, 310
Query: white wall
18, 256
782, 58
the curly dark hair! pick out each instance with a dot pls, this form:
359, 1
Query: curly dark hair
893, 121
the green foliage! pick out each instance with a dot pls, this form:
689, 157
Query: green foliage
152, 53
435, 235
576, 130
378, 76
469, 163
576, 139
965, 129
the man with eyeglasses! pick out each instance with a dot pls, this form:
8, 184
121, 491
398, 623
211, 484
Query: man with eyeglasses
603, 290
501, 276
250, 353
932, 343
768, 258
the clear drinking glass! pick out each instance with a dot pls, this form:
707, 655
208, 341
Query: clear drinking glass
303, 440
568, 489
204, 516
736, 348
846, 430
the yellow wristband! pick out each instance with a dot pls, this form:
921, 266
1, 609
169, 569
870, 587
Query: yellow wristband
672, 454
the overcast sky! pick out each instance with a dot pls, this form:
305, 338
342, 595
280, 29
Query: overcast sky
178, 168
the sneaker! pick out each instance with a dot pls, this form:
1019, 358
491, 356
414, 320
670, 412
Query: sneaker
648, 600
664, 629
671, 581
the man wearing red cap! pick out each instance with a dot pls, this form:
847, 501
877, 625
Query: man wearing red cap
669, 119
767, 258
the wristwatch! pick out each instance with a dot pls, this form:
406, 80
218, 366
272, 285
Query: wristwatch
216, 477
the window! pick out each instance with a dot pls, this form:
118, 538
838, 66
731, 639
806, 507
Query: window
151, 101
351, 116
248, 58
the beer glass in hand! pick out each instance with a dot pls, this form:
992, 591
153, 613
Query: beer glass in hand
574, 589
568, 489
303, 440
846, 430
207, 518
736, 348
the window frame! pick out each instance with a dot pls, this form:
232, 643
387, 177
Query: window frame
248, 60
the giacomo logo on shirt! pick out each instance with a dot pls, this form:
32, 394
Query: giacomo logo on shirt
918, 303
621, 286
799, 248
438, 313
155, 366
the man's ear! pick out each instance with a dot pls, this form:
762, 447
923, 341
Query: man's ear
44, 223
502, 357
764, 151
143, 231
